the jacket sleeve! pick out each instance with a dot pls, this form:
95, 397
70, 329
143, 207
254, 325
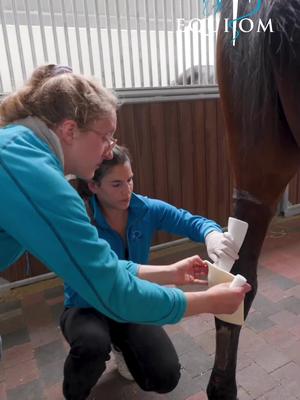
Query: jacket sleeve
11, 250
181, 222
46, 216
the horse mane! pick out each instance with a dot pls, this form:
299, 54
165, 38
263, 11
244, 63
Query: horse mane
251, 60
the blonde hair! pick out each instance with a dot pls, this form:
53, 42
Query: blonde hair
54, 93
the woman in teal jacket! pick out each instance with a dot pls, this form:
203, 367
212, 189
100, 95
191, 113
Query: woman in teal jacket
128, 222
62, 123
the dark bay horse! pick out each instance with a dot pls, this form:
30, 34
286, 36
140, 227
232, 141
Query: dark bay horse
259, 81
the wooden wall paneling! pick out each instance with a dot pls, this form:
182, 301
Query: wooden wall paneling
36, 266
212, 155
127, 132
122, 123
173, 155
19, 270
185, 125
199, 159
144, 145
159, 138
16, 271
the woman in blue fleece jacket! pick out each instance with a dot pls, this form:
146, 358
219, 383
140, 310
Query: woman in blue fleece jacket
62, 123
128, 222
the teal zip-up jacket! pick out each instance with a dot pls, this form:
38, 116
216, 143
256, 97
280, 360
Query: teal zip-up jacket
146, 216
40, 212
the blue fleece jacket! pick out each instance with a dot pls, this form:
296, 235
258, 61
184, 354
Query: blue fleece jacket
146, 217
41, 212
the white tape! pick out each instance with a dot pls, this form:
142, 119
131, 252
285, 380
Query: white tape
237, 230
238, 281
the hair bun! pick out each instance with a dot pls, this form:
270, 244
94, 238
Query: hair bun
61, 69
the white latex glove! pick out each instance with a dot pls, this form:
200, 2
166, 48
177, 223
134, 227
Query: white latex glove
218, 244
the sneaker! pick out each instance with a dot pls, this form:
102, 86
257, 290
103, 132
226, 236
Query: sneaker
121, 365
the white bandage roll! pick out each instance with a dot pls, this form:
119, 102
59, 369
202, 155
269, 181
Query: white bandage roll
237, 229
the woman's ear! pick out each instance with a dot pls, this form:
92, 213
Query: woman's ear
93, 186
66, 131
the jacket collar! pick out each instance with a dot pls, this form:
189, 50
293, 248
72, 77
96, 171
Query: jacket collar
137, 209
40, 129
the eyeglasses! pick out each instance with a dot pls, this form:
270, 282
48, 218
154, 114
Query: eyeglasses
111, 141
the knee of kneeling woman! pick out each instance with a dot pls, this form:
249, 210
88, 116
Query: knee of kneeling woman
164, 382
91, 348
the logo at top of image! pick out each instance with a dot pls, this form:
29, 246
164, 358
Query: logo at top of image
218, 4
239, 23
235, 25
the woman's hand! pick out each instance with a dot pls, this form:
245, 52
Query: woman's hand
219, 299
183, 272
223, 299
219, 244
189, 270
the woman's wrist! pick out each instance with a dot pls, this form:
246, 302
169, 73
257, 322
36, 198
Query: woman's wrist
161, 274
196, 303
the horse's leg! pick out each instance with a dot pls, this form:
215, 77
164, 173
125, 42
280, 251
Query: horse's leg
252, 207
222, 384
262, 169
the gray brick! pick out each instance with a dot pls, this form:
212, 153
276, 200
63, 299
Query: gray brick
15, 338
49, 353
29, 391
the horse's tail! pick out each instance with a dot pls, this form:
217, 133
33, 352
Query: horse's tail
251, 60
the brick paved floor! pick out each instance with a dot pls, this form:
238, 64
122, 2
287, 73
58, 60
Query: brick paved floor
269, 353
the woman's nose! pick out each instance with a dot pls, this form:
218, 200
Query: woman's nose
127, 188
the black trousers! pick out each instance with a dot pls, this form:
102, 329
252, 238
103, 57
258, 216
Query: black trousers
149, 353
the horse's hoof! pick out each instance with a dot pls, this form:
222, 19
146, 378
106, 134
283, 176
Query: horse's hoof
213, 394
220, 390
